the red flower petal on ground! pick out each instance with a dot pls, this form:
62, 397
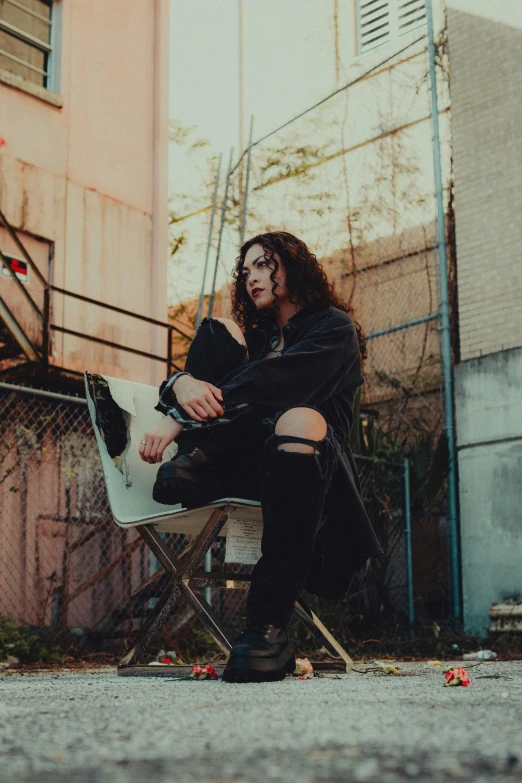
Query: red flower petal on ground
463, 676
166, 660
457, 676
211, 672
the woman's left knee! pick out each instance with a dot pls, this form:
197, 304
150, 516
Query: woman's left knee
301, 423
233, 329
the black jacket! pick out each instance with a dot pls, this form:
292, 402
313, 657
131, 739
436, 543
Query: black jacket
319, 366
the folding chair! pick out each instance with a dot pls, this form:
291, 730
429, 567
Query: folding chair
121, 412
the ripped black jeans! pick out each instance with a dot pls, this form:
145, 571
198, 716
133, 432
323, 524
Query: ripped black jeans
291, 486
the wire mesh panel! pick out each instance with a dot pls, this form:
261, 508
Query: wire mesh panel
65, 566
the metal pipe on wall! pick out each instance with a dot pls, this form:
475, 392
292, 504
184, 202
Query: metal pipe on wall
449, 425
409, 548
159, 182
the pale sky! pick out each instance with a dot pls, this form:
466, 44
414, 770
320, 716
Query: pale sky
288, 56
289, 63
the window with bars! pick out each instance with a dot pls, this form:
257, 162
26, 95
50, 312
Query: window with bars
26, 39
380, 21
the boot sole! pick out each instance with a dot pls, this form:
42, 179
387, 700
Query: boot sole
174, 489
259, 669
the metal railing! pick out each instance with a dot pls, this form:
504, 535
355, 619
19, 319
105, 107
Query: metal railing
45, 314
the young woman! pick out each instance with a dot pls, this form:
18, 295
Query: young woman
264, 411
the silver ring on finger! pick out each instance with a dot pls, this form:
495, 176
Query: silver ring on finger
143, 442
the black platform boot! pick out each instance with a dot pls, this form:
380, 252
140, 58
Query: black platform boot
260, 654
189, 479
292, 498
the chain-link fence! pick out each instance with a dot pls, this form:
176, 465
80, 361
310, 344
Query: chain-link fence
66, 567
353, 177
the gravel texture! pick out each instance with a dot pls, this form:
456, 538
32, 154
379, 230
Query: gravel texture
95, 727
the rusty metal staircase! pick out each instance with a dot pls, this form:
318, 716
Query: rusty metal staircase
13, 342
25, 355
16, 346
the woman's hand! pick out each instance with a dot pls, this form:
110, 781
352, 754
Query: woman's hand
157, 438
201, 400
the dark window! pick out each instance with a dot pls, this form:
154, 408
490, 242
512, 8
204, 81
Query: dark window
25, 39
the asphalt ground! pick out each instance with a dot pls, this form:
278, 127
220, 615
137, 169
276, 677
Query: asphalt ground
93, 727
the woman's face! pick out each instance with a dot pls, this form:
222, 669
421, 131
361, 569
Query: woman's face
256, 273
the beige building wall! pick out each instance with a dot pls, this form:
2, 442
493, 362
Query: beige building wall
485, 45
85, 170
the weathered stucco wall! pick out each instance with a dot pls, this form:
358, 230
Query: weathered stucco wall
489, 415
485, 51
90, 178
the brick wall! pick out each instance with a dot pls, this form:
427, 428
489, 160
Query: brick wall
486, 94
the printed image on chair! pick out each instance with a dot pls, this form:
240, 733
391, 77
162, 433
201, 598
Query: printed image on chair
121, 412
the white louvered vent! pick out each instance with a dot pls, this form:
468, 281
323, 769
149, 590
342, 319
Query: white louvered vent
411, 15
374, 23
380, 21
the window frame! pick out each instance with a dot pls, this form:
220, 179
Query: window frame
52, 50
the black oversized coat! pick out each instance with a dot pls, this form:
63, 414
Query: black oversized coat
319, 366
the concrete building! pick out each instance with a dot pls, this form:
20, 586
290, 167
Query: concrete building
83, 179
83, 190
484, 50
485, 54
484, 44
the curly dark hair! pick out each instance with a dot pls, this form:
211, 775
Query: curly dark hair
305, 279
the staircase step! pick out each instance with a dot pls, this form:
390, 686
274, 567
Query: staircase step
9, 351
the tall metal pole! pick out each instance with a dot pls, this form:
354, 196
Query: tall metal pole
221, 225
208, 556
209, 241
240, 74
409, 552
449, 424
336, 40
245, 192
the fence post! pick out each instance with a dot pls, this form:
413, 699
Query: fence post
220, 236
407, 534
245, 192
199, 315
46, 337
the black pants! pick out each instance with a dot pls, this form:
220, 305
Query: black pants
291, 486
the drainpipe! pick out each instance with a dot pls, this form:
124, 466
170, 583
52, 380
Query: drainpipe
160, 124
449, 424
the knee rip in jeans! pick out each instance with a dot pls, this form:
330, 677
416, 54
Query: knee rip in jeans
326, 452
281, 440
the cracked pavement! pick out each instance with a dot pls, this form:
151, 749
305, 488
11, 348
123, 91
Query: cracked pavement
93, 727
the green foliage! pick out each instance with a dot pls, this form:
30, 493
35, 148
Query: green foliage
427, 454
27, 643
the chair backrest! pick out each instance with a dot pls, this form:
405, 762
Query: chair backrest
121, 411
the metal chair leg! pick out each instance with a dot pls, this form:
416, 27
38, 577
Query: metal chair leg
166, 603
180, 585
316, 626
207, 617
